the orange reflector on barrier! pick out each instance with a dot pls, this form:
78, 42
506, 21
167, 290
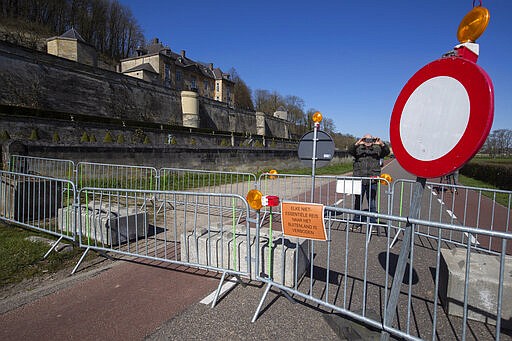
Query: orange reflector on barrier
254, 199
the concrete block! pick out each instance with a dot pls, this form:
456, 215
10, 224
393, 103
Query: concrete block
219, 248
483, 286
104, 224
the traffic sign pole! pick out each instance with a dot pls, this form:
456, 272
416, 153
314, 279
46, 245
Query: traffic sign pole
316, 148
313, 162
405, 250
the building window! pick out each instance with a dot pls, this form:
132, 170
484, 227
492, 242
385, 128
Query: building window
218, 86
178, 76
193, 84
167, 75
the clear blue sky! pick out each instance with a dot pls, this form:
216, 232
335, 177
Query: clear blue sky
347, 59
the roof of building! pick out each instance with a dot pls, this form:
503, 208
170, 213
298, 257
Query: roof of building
218, 74
72, 34
155, 46
141, 67
181, 60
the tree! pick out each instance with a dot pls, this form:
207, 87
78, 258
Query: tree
268, 102
295, 107
105, 24
499, 142
242, 93
260, 99
343, 141
308, 118
328, 125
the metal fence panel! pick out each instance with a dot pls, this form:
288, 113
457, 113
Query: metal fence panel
482, 208
178, 179
345, 274
337, 191
36, 202
183, 231
55, 168
91, 174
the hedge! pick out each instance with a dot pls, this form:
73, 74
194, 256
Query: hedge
499, 175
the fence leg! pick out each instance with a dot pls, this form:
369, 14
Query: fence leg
80, 261
53, 247
396, 237
261, 302
217, 294
221, 289
288, 297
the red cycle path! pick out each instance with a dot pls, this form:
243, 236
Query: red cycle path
472, 209
127, 302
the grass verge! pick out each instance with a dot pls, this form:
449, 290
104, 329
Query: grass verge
336, 169
21, 258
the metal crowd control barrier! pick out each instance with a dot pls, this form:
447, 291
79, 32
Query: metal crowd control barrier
55, 168
337, 191
441, 296
36, 202
103, 175
485, 209
182, 232
178, 179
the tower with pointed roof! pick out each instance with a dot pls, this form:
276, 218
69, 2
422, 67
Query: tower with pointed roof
72, 46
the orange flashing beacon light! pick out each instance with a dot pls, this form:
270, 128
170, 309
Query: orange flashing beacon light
473, 24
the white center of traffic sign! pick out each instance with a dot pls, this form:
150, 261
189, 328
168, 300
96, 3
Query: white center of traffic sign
434, 118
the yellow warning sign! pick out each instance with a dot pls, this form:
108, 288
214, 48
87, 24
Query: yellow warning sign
303, 220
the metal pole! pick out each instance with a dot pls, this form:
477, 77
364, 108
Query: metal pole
313, 161
403, 258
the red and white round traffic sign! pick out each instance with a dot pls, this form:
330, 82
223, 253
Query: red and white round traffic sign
442, 117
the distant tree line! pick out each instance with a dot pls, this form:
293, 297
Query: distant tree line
498, 143
106, 24
271, 101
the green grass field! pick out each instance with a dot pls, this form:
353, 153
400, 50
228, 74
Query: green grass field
21, 258
497, 160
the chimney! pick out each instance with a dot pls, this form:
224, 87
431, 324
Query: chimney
183, 53
211, 66
140, 51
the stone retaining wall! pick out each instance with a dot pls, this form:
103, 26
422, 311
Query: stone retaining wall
37, 80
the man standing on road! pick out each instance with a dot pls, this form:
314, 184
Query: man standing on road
367, 152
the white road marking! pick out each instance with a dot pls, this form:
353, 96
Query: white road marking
225, 287
451, 214
338, 202
473, 239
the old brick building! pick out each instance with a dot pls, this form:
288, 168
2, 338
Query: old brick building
157, 63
